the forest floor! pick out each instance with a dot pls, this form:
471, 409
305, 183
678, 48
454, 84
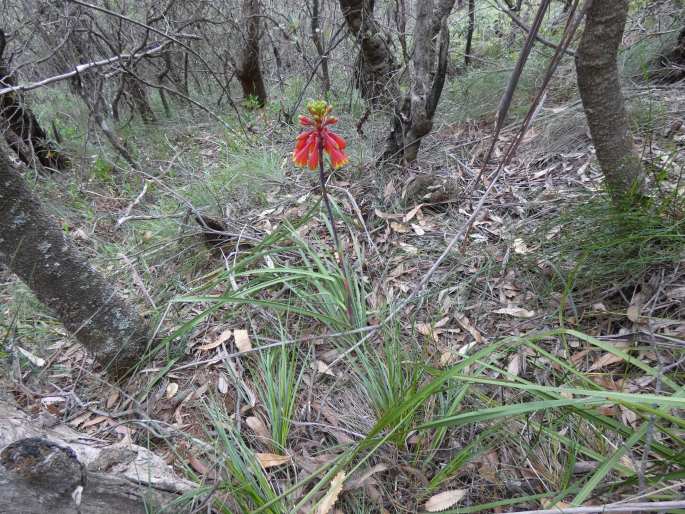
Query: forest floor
542, 365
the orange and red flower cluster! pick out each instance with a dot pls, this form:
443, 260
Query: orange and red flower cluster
306, 151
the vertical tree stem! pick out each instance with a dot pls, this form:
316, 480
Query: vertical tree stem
342, 262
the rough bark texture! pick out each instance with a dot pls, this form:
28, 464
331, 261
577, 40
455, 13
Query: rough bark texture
377, 71
250, 71
318, 43
414, 115
41, 466
469, 32
21, 128
33, 246
600, 91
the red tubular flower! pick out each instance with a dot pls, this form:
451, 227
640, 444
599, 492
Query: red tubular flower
306, 152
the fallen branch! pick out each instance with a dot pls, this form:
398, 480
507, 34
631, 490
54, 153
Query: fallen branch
613, 507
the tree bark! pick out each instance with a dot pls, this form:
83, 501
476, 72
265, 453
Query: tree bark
377, 71
318, 43
600, 92
250, 71
469, 33
33, 246
413, 117
42, 464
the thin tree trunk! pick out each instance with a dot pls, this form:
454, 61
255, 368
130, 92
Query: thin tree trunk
377, 62
250, 71
414, 115
600, 91
33, 245
318, 43
469, 33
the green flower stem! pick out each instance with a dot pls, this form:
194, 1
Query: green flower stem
342, 262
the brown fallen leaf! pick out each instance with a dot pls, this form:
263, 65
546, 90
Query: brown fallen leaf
95, 421
223, 337
356, 481
258, 427
469, 327
388, 215
198, 465
635, 308
516, 312
328, 501
444, 500
605, 360
410, 215
514, 366
242, 340
112, 399
271, 460
400, 228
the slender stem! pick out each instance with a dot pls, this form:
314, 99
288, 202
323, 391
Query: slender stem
342, 262
324, 195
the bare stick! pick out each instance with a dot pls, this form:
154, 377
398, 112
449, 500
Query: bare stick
81, 68
614, 507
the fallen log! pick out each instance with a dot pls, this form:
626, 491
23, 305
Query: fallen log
55, 469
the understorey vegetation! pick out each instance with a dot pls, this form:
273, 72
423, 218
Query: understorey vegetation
352, 256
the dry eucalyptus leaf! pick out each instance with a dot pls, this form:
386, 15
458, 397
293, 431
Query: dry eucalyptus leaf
516, 312
271, 460
634, 308
410, 215
399, 227
328, 501
323, 368
223, 337
33, 359
258, 427
520, 246
444, 500
112, 399
222, 384
171, 390
242, 340
357, 481
514, 366
605, 360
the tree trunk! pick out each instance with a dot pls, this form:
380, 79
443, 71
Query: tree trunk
600, 91
139, 98
20, 126
33, 246
250, 71
318, 43
469, 33
377, 71
414, 116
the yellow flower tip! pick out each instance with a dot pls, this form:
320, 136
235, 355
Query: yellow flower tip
319, 108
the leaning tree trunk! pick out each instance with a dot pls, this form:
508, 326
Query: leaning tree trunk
600, 91
377, 68
20, 126
414, 115
249, 71
33, 246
